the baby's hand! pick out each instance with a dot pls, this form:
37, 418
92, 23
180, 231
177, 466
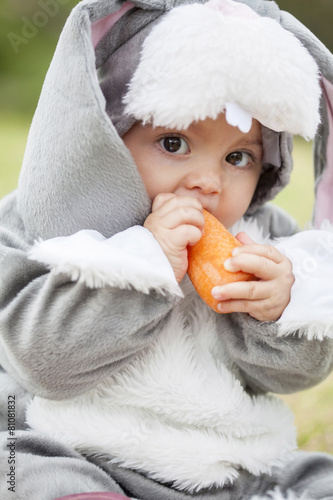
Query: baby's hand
265, 299
176, 222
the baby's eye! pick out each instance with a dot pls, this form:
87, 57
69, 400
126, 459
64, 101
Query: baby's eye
238, 159
174, 144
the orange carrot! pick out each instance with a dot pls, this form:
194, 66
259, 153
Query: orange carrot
206, 260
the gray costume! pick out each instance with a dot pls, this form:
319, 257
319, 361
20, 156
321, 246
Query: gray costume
113, 377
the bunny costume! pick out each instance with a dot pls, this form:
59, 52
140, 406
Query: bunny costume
121, 379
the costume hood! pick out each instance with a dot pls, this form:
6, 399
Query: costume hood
118, 62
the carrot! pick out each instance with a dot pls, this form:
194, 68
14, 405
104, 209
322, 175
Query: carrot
206, 260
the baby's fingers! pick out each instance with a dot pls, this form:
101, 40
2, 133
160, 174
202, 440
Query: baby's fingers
165, 203
243, 290
183, 216
267, 251
254, 298
185, 235
260, 310
262, 267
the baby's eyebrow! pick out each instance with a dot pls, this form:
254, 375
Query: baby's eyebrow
257, 143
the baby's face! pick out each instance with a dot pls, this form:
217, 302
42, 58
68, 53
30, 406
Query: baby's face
211, 161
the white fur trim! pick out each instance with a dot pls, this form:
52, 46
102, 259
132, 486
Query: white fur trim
237, 117
175, 412
310, 310
131, 258
197, 59
251, 227
277, 494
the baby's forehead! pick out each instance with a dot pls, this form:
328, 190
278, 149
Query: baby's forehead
208, 132
218, 127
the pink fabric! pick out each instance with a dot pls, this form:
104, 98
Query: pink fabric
324, 194
230, 8
94, 496
102, 26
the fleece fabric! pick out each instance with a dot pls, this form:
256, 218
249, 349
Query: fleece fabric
122, 379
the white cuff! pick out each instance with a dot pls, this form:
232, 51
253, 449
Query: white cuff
310, 310
130, 259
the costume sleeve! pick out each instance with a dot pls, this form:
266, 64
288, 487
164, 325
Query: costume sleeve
269, 362
71, 313
295, 352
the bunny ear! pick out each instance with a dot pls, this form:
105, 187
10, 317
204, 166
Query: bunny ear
324, 191
101, 27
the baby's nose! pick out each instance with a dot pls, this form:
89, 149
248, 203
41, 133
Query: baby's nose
206, 182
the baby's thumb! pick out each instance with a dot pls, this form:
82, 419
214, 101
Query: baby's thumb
244, 239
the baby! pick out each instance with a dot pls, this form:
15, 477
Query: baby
124, 380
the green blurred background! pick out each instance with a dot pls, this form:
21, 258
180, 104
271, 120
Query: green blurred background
29, 33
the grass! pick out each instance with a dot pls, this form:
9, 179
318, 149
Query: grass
313, 411
13, 136
313, 408
298, 197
